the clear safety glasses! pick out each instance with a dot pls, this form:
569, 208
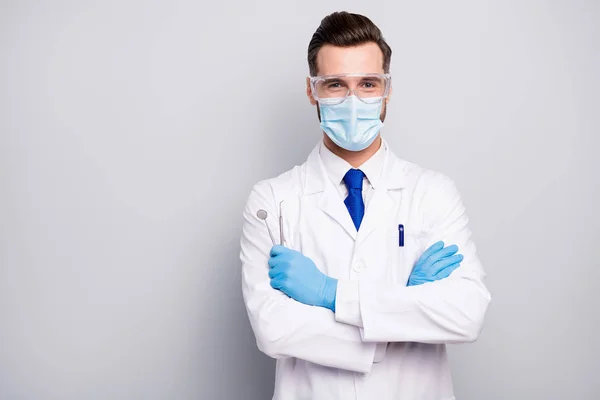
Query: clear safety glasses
333, 89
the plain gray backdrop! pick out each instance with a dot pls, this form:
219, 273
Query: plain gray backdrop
132, 132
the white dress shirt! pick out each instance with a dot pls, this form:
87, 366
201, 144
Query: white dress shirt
336, 167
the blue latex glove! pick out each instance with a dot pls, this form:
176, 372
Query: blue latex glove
437, 262
297, 276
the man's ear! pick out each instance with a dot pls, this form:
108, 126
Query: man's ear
309, 92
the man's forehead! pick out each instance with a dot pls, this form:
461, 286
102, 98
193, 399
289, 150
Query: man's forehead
364, 58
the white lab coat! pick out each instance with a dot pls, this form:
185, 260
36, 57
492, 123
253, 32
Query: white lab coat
386, 340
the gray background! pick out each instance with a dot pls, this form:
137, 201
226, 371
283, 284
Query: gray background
131, 134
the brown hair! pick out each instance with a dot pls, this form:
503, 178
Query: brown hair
345, 29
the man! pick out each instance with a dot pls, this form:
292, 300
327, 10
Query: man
361, 298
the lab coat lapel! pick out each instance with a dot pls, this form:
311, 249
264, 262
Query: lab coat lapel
330, 202
375, 214
381, 203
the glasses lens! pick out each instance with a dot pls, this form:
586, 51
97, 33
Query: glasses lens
370, 87
331, 88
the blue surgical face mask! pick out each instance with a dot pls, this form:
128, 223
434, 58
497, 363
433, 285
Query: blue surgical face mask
353, 125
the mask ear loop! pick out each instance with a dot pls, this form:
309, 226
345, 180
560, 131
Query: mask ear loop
388, 89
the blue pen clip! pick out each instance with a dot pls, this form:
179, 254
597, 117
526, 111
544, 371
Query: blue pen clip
401, 235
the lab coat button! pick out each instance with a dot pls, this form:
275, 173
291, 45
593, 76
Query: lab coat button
358, 267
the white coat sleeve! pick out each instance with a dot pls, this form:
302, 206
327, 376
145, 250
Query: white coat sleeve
450, 310
284, 327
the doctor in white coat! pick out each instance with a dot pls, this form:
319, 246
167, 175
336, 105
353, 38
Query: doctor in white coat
377, 271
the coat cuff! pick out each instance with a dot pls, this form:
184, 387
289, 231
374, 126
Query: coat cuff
347, 303
347, 311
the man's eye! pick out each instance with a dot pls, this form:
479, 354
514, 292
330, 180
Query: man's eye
370, 85
334, 85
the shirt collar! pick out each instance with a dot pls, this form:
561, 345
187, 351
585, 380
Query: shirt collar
336, 167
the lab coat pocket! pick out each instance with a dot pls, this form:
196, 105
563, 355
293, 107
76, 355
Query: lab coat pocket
402, 258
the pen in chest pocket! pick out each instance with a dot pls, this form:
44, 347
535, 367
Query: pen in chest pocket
401, 235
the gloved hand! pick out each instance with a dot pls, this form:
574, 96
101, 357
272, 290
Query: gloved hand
297, 276
437, 262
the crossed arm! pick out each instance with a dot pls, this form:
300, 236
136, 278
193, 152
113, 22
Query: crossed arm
450, 310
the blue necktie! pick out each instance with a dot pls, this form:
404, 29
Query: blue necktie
354, 202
